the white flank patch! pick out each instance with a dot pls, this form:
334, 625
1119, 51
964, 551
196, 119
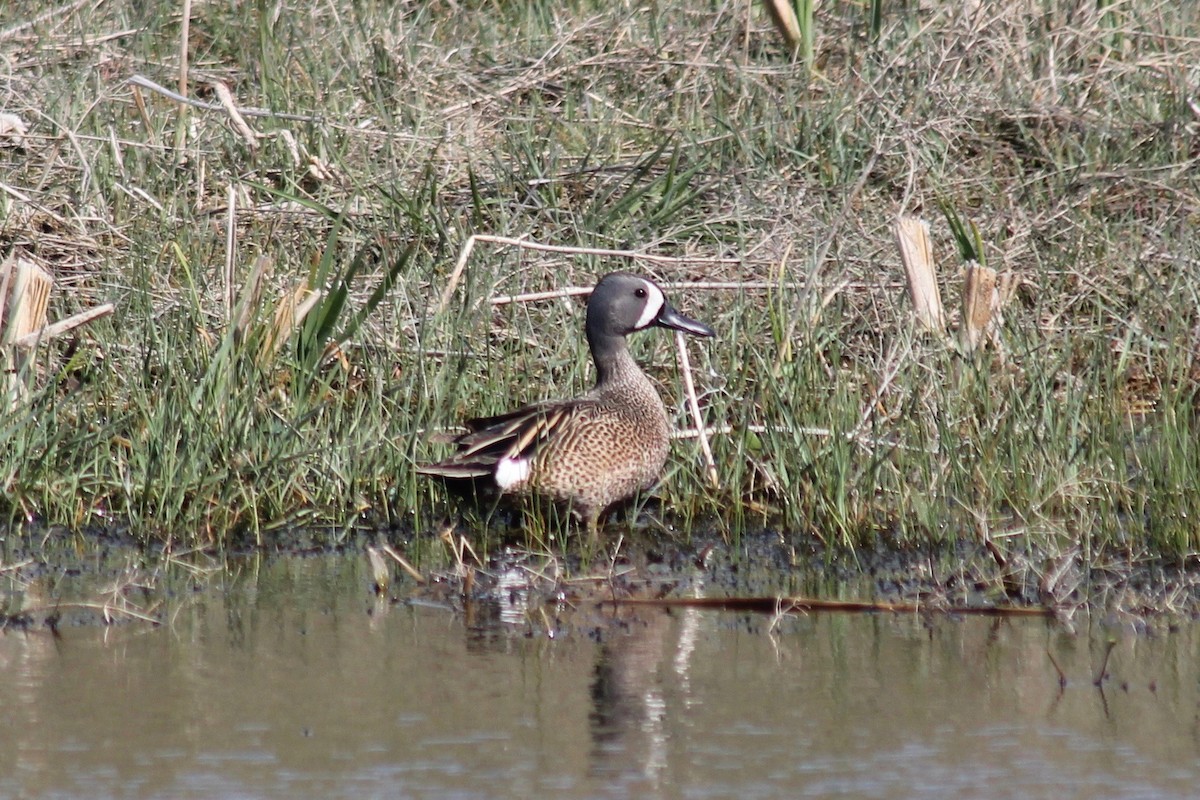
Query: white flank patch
511, 471
654, 304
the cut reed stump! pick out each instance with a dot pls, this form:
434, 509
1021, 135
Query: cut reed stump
984, 293
290, 311
784, 17
24, 300
980, 305
916, 253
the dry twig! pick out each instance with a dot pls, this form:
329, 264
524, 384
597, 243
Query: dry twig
524, 244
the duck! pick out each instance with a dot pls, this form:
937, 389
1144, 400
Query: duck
590, 453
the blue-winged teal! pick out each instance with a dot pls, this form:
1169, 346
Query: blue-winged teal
594, 451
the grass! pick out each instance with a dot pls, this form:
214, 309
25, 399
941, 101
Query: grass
1062, 135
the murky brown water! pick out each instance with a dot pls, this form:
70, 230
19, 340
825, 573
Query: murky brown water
293, 682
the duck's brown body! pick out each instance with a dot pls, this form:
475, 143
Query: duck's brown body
594, 451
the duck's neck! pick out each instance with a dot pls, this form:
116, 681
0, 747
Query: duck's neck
612, 358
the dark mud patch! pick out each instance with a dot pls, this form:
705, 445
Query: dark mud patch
57, 580
556, 594
51, 580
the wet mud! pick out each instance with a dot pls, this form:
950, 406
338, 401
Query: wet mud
52, 581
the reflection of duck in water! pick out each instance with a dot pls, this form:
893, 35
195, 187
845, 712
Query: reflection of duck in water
629, 718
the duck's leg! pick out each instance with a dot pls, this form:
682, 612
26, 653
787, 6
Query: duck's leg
592, 518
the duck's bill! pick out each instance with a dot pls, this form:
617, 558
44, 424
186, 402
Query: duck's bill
670, 318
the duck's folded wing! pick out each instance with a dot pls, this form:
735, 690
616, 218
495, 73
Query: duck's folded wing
516, 435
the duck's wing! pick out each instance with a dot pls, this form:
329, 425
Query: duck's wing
512, 437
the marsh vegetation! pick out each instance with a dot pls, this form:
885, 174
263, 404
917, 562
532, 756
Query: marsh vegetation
1061, 136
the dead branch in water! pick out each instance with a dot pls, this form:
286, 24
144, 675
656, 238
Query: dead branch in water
773, 605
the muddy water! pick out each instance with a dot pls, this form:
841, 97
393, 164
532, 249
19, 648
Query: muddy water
290, 681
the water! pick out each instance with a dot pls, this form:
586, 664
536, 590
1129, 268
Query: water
292, 681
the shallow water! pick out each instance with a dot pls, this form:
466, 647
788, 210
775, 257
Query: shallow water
292, 681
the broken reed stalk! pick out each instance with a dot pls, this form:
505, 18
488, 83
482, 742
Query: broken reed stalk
235, 117
979, 302
29, 299
725, 430
459, 546
784, 17
230, 246
289, 315
412, 571
381, 573
290, 312
184, 36
56, 329
6, 271
689, 388
251, 295
718, 286
139, 82
916, 253
533, 297
525, 244
27, 305
23, 314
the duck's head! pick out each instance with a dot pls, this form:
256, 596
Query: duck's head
623, 303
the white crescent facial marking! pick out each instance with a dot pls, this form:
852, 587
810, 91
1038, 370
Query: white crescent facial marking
511, 471
654, 304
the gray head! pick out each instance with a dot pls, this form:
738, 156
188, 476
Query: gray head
623, 303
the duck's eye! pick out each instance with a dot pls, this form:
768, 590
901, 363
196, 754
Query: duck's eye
640, 291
